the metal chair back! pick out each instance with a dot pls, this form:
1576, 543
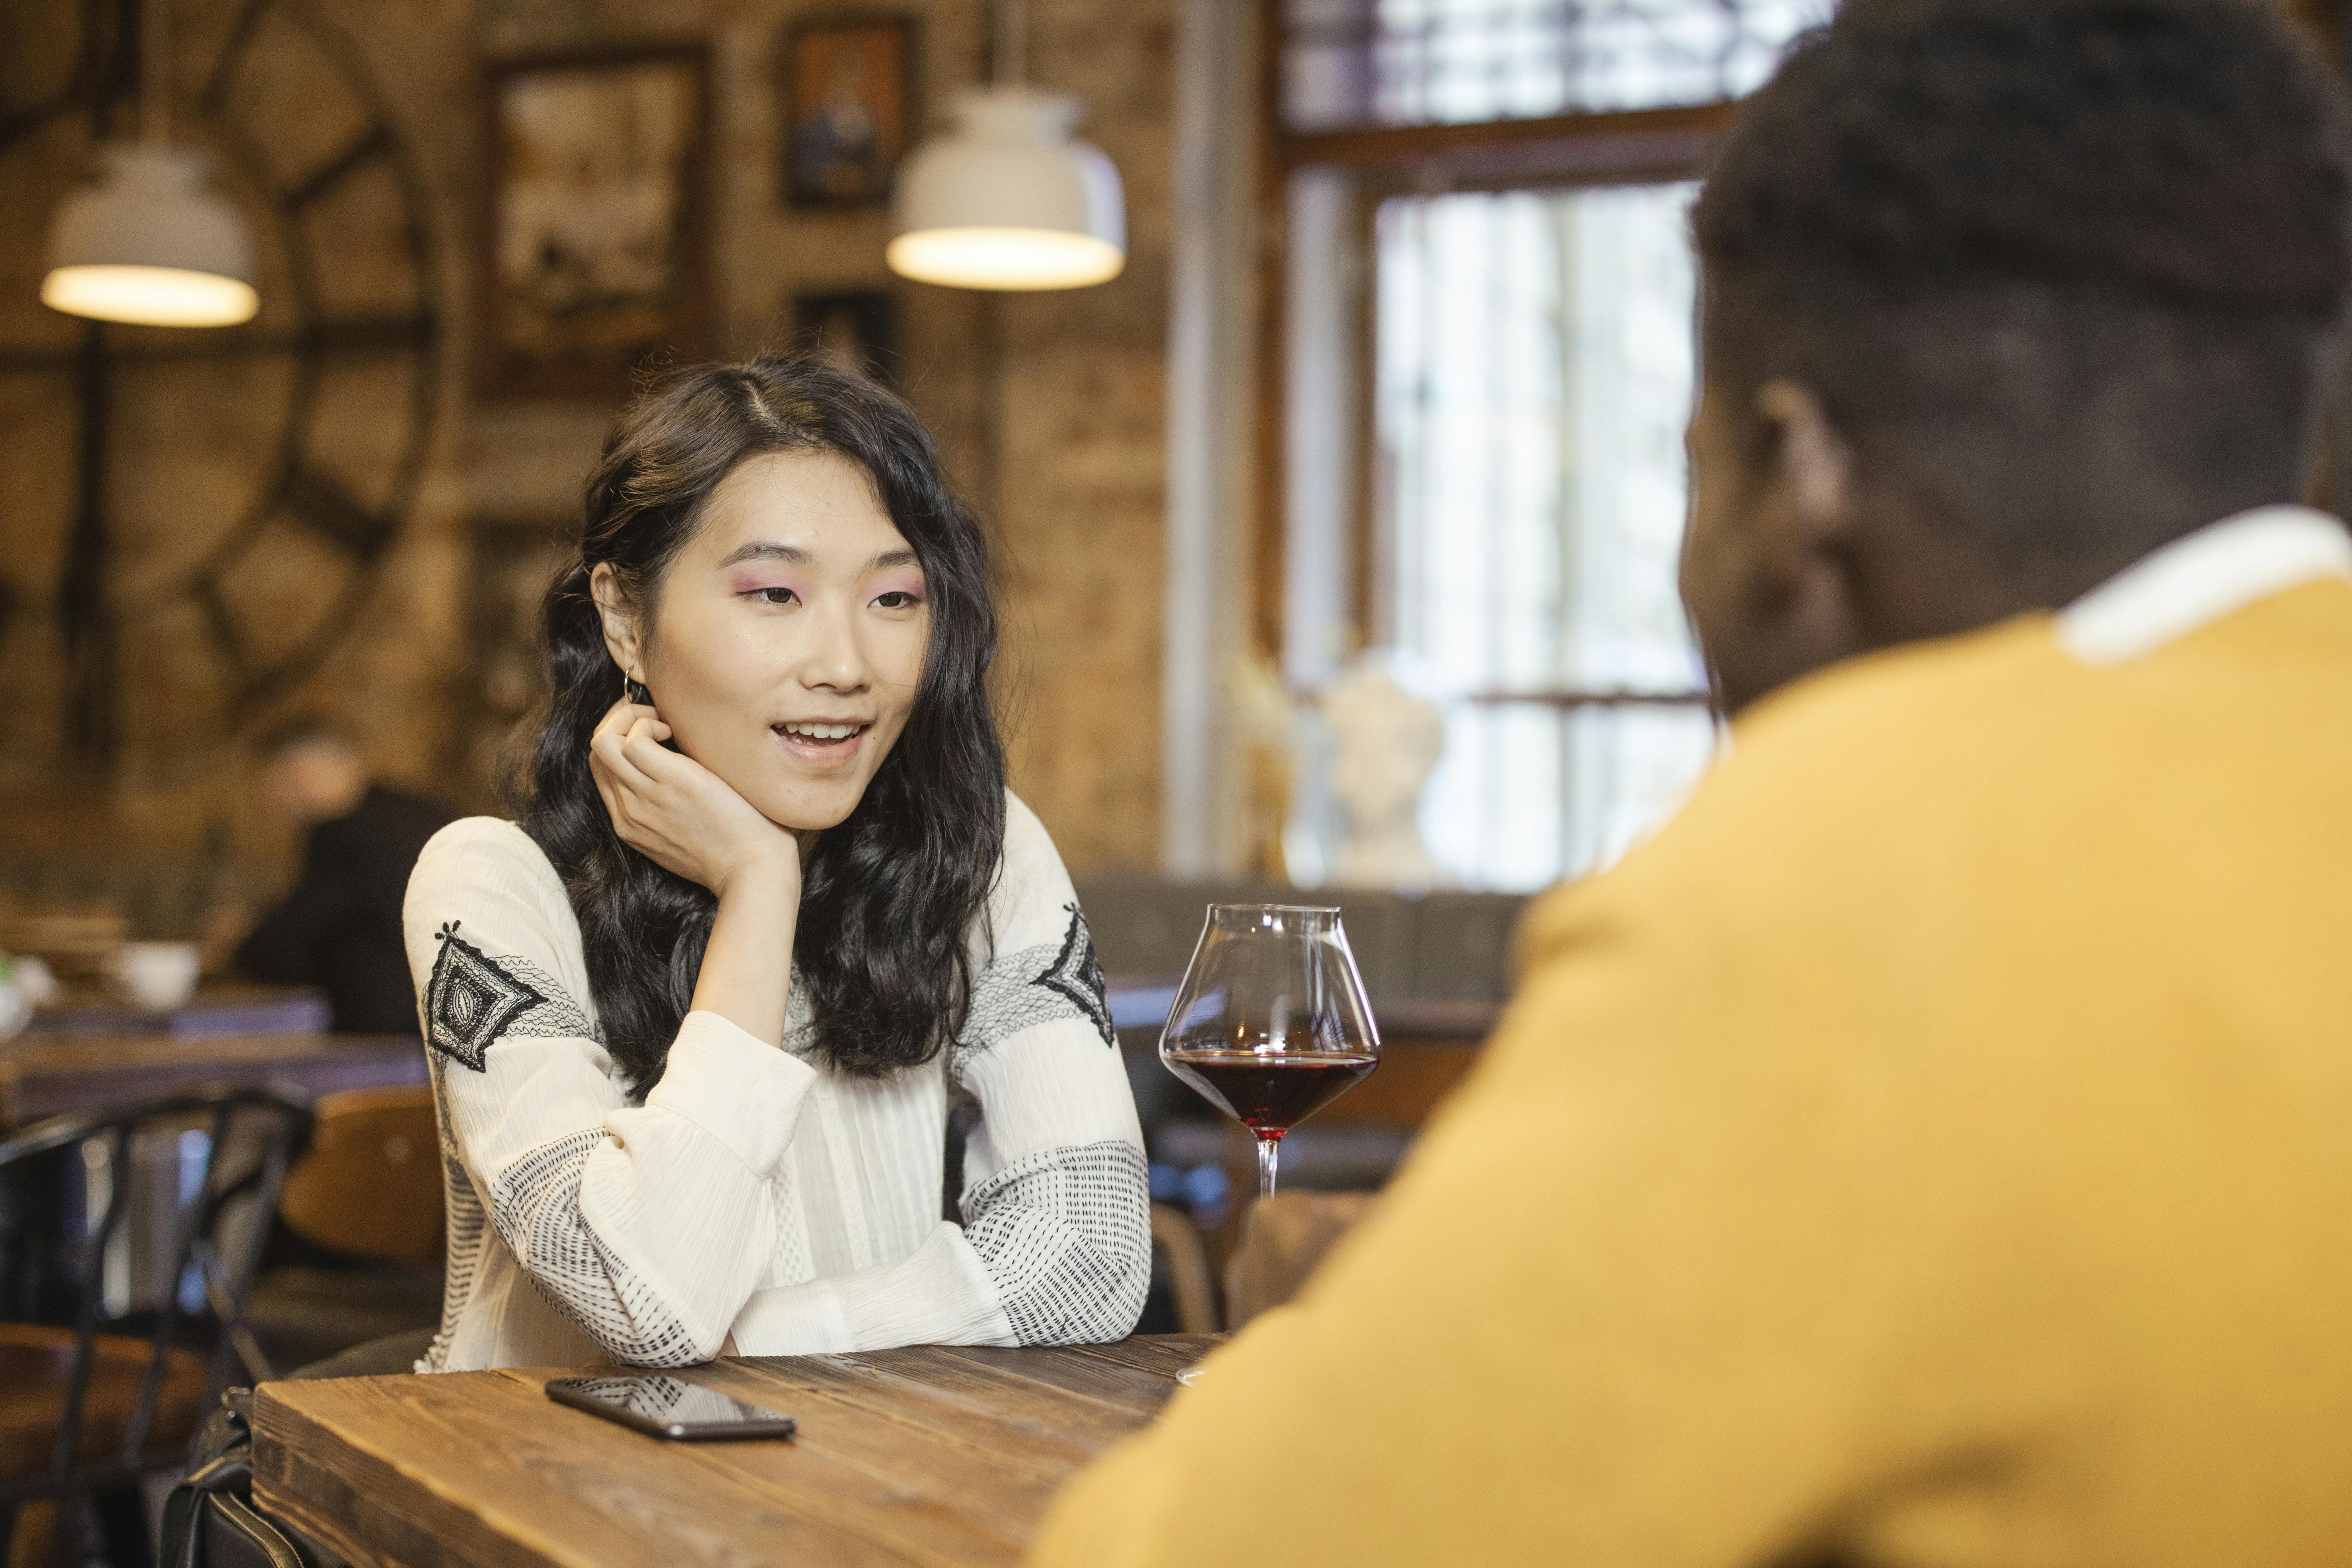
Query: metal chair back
223, 1201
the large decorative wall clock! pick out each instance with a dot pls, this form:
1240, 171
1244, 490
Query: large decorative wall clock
228, 496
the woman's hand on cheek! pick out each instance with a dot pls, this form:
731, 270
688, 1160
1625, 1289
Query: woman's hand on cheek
677, 812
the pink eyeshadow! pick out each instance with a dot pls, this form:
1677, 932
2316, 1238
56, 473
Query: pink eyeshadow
753, 582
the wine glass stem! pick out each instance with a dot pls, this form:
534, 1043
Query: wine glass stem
1269, 1154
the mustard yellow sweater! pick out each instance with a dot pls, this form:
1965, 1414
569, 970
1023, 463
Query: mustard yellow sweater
1934, 1148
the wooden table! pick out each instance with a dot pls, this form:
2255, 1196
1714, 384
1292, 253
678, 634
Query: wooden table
930, 1456
44, 1075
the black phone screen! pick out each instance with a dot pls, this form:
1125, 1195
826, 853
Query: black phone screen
668, 1407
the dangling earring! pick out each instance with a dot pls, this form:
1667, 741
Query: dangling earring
633, 692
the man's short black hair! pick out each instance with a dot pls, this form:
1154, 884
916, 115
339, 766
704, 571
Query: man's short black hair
2037, 253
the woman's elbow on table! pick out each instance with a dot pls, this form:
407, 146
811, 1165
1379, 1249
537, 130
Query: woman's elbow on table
1065, 1234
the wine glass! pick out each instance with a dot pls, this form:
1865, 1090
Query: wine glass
1271, 1024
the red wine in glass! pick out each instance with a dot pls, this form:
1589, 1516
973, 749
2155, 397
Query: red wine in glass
1270, 1025
1270, 1093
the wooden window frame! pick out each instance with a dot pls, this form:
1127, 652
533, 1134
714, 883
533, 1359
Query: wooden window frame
1609, 148
1621, 148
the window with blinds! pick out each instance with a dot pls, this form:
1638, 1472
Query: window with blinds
1490, 344
1532, 371
1348, 64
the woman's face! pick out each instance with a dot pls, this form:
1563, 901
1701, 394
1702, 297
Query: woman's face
787, 639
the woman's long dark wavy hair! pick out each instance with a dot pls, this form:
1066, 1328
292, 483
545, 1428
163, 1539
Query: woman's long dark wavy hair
888, 897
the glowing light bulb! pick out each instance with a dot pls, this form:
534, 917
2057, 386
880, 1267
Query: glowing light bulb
1009, 199
150, 296
150, 244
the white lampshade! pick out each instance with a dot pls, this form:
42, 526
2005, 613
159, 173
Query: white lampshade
1009, 199
150, 244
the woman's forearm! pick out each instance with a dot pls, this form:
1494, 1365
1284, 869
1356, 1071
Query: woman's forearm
747, 966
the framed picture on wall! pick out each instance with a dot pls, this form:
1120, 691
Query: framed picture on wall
596, 250
847, 85
855, 327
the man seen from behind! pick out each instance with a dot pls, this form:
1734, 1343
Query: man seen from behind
1934, 1147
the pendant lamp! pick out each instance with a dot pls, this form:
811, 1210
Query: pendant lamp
149, 243
1009, 199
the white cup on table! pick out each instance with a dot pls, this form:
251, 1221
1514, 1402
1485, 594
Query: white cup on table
16, 1002
156, 975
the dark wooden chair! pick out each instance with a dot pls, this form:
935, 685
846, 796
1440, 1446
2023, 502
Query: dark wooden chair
369, 1183
1282, 1240
85, 1415
367, 1196
1185, 1256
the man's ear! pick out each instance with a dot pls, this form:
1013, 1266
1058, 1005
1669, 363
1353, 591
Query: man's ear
1816, 461
620, 622
1783, 602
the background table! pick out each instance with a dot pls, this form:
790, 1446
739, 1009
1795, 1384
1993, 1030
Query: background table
218, 1007
45, 1075
930, 1456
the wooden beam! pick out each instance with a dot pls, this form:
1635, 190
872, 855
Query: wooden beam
1408, 144
1603, 698
1272, 244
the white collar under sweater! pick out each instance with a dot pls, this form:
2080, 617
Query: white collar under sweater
2202, 576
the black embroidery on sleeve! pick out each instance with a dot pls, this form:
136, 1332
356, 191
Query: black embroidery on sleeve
473, 1000
1078, 973
1035, 985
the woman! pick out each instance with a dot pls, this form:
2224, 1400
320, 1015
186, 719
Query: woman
769, 739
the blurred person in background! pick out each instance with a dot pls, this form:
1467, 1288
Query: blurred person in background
340, 928
1931, 1147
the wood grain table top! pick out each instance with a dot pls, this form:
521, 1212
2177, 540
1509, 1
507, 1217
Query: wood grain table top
44, 1076
929, 1456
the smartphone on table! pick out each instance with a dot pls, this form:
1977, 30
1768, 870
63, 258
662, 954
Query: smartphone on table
669, 1407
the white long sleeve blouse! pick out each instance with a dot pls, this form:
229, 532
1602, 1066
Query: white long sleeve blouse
757, 1200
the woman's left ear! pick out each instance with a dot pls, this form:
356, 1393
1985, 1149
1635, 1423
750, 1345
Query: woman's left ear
619, 619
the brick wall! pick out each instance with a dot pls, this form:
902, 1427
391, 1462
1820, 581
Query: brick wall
1059, 438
